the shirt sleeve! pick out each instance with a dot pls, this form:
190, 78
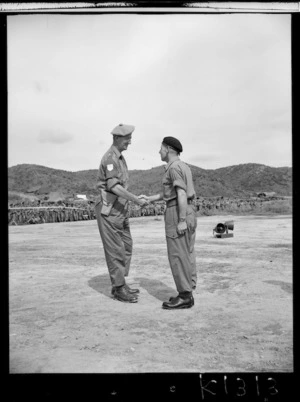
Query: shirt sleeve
177, 177
111, 174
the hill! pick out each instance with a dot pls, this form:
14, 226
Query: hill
238, 180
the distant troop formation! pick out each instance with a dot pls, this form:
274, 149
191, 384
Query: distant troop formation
18, 214
35, 215
153, 209
226, 204
31, 213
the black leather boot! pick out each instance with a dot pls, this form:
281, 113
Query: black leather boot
131, 291
134, 292
173, 297
121, 294
179, 302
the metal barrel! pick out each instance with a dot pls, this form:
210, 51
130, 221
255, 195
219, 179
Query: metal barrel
229, 225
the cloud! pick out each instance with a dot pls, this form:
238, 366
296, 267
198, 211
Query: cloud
40, 87
220, 83
54, 136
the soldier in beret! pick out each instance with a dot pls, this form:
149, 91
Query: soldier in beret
180, 222
112, 213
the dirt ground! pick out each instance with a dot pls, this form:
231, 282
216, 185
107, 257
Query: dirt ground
63, 320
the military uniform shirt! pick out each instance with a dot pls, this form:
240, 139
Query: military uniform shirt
177, 174
112, 170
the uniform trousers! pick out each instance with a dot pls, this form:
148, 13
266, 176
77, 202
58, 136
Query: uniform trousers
181, 251
117, 241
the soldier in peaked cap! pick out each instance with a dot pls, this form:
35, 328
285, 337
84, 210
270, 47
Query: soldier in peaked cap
180, 222
111, 211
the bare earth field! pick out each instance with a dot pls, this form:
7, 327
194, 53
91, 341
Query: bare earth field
63, 320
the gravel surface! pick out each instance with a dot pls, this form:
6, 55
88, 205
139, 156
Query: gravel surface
63, 319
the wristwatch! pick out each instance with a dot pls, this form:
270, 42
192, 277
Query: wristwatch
182, 219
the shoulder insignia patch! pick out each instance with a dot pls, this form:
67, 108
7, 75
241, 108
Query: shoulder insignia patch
110, 167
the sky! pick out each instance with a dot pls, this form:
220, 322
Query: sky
220, 83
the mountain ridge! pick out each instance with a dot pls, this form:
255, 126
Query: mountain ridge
235, 180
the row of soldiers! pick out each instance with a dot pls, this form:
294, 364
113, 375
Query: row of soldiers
33, 215
63, 212
24, 216
41, 203
218, 204
152, 209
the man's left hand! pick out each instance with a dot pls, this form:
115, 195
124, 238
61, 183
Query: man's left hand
181, 227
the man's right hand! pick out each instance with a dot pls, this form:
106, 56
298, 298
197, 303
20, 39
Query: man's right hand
143, 200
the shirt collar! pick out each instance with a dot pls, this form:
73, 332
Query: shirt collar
170, 163
116, 151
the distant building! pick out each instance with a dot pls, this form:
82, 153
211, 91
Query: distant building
266, 194
81, 196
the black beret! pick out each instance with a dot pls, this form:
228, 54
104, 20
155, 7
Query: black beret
173, 142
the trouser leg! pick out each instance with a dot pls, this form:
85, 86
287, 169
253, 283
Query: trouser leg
192, 238
127, 240
181, 251
114, 248
191, 220
180, 262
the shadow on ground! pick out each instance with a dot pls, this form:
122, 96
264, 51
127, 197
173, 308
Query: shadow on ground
102, 284
156, 288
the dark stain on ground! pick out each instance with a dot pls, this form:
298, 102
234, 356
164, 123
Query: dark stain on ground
218, 283
278, 245
287, 287
217, 267
219, 242
274, 328
268, 216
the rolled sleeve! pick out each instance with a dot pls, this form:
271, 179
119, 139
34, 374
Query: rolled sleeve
177, 178
110, 183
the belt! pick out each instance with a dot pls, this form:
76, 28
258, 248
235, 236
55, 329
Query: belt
173, 202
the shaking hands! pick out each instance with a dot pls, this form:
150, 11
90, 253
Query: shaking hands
143, 200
